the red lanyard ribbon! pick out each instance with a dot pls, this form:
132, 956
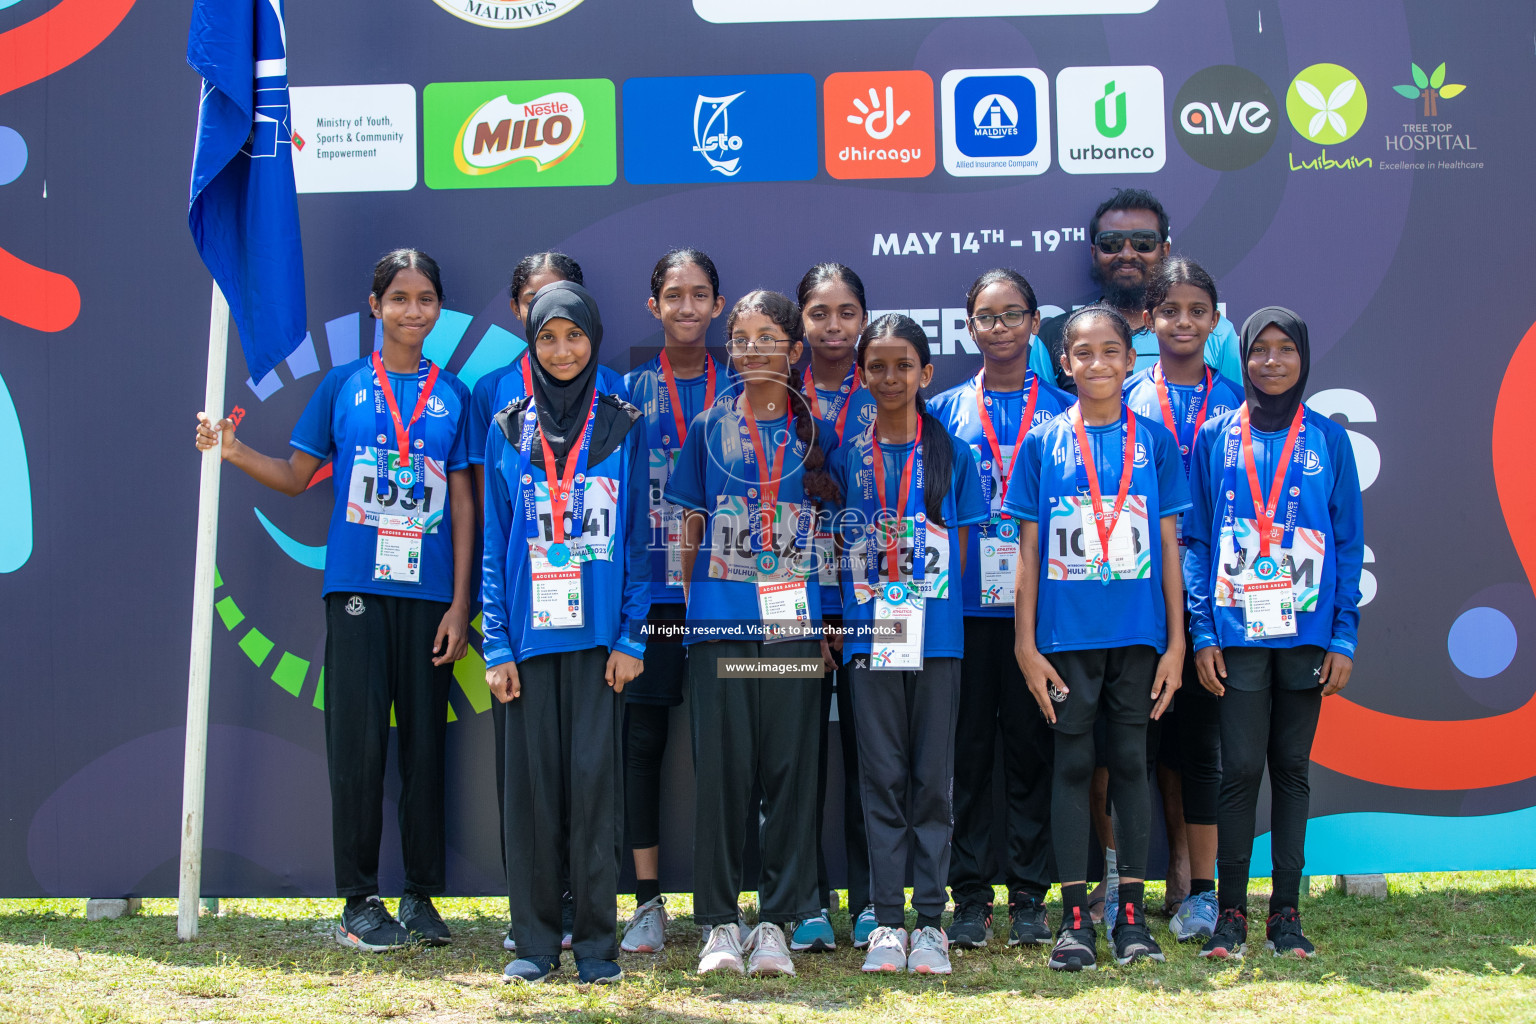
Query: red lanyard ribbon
528, 374
1264, 508
670, 379
1128, 466
558, 503
769, 476
893, 530
403, 429
1003, 471
844, 400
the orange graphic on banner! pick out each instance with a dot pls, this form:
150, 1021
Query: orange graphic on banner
56, 39
879, 124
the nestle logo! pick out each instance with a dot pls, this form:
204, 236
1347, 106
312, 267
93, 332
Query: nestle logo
543, 109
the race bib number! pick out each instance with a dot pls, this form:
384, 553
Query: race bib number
935, 583
367, 500
599, 519
1303, 560
1072, 546
665, 515
730, 548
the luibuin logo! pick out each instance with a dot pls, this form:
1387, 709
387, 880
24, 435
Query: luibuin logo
1111, 125
712, 133
1431, 88
1326, 104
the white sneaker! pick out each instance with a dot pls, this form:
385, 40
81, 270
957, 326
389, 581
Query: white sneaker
887, 950
646, 931
769, 951
722, 950
930, 952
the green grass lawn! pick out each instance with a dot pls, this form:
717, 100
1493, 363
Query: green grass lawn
1444, 947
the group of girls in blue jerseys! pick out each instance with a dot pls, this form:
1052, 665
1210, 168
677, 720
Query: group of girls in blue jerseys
1005, 560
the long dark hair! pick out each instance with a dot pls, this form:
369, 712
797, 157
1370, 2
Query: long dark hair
391, 263
1000, 275
681, 258
822, 273
785, 314
938, 448
535, 262
1178, 270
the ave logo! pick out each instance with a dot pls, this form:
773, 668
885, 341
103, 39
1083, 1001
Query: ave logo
518, 134
1225, 117
720, 128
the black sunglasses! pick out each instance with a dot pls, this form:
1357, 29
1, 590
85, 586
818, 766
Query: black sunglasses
1111, 242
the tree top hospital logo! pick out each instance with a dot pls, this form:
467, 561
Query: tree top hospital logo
1225, 117
1430, 88
995, 122
520, 134
1326, 104
720, 128
507, 13
1109, 120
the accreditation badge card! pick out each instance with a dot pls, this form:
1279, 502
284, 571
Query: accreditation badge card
1269, 602
783, 603
397, 552
999, 560
899, 602
555, 599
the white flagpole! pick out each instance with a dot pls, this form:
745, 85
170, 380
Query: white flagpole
195, 768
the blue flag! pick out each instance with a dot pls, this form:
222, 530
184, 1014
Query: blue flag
244, 210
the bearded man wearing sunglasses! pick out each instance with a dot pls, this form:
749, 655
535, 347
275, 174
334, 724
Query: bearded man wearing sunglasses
1127, 239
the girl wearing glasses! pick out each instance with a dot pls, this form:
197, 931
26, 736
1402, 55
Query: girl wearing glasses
670, 390
911, 491
566, 589
992, 412
832, 310
1099, 614
751, 477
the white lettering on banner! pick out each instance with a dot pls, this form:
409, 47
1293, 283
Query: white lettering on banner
1355, 408
739, 11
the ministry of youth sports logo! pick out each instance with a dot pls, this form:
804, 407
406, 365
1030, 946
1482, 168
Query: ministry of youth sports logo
507, 13
712, 138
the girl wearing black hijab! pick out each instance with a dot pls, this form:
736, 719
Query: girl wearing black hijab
1276, 542
566, 589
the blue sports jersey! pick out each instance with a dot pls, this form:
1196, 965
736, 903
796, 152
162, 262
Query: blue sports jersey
503, 384
1327, 549
943, 626
1184, 399
860, 414
339, 424
1075, 611
956, 409
647, 390
1222, 352
615, 565
712, 477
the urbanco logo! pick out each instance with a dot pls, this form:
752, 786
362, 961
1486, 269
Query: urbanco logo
879, 124
1225, 117
1109, 120
720, 128
1326, 104
518, 134
1431, 88
996, 122
507, 13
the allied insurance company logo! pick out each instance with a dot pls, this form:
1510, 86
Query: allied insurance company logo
1109, 120
996, 122
507, 13
720, 128
520, 134
1225, 117
878, 124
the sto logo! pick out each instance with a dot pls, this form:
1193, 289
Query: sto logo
1414, 753
40, 299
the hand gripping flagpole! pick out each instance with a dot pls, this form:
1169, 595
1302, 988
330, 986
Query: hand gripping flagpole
195, 768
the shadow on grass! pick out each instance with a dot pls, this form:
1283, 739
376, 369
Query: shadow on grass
1393, 945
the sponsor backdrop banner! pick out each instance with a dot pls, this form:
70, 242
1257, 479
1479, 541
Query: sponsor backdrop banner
1367, 164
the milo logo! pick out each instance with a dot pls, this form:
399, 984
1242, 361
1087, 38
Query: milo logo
500, 132
520, 134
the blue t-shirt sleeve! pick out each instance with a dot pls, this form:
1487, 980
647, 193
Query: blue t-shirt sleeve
458, 452
1348, 515
1222, 352
495, 588
970, 509
1023, 500
637, 545
313, 433
686, 485
1198, 540
1172, 488
479, 419
1040, 359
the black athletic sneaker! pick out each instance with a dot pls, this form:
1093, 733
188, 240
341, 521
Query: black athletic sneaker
1133, 941
567, 919
972, 926
371, 928
1230, 940
1026, 921
422, 920
1283, 935
1074, 947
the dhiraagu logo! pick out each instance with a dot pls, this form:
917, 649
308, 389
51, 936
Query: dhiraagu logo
520, 134
1326, 104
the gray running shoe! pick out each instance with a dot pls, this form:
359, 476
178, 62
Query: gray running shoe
722, 950
769, 951
646, 931
930, 952
887, 950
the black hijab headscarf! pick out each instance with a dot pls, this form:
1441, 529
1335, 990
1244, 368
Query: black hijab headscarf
563, 404
1274, 412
